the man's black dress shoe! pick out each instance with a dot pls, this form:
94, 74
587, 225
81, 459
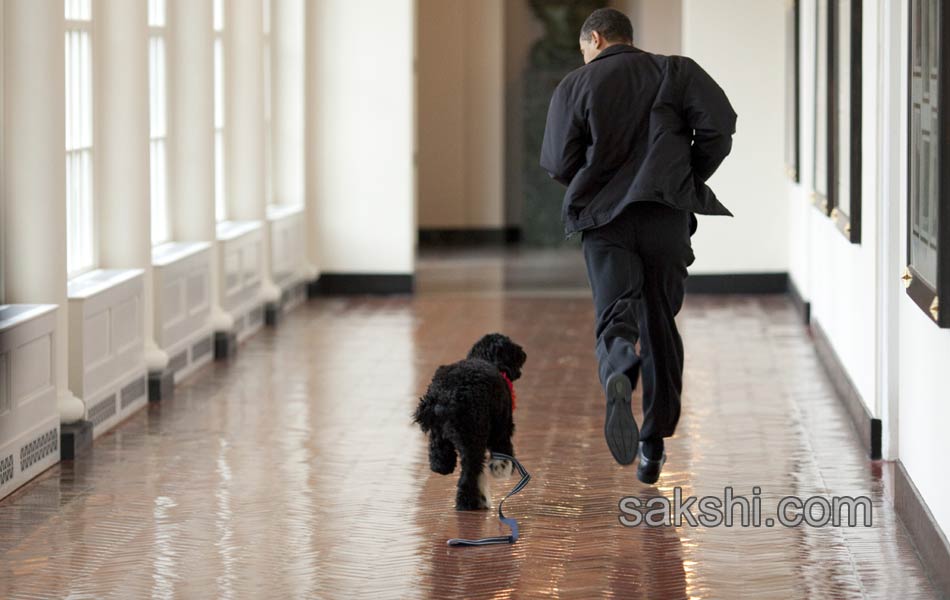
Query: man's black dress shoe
648, 471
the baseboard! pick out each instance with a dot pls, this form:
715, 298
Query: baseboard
868, 427
225, 345
273, 312
929, 541
801, 305
75, 439
161, 385
488, 236
348, 284
737, 283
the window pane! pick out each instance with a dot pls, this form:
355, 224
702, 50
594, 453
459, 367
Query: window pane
218, 84
159, 196
820, 140
843, 82
77, 10
80, 209
218, 12
156, 13
925, 152
220, 205
157, 146
157, 87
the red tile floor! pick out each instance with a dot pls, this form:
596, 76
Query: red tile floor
294, 471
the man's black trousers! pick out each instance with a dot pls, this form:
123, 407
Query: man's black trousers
636, 265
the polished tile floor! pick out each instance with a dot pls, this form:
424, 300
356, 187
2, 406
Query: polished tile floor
294, 471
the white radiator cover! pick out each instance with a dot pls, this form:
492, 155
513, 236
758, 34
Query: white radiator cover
181, 273
288, 252
29, 417
106, 345
241, 251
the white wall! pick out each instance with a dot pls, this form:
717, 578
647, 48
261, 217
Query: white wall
839, 278
924, 407
461, 125
362, 134
924, 355
288, 105
657, 24
747, 62
847, 283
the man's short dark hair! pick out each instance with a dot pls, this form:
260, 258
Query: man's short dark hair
610, 23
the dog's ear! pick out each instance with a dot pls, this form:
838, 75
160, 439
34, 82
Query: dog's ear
513, 358
488, 347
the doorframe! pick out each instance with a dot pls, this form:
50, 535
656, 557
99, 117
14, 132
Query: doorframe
891, 58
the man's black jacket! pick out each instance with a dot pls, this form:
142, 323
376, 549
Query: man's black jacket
632, 126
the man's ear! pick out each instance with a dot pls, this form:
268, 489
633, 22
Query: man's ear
597, 40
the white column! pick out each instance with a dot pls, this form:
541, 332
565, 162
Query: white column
244, 90
311, 145
287, 107
122, 161
191, 134
34, 173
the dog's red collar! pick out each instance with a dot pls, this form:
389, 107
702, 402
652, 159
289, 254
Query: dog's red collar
511, 389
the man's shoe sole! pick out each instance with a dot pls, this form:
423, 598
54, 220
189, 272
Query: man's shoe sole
620, 428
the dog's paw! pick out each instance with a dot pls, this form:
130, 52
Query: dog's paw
479, 502
501, 468
442, 466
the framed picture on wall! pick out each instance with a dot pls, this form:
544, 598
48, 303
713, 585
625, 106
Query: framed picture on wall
792, 87
820, 138
844, 110
927, 275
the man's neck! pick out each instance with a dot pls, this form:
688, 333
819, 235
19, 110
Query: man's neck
611, 45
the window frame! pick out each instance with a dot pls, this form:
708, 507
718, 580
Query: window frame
925, 296
160, 31
848, 224
86, 26
222, 212
820, 76
793, 108
267, 62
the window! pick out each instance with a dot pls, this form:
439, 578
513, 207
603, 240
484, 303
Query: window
792, 107
80, 205
844, 109
268, 100
820, 142
927, 276
158, 122
220, 199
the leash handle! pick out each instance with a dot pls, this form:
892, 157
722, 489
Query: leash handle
511, 523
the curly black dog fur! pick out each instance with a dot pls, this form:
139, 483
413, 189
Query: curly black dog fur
467, 411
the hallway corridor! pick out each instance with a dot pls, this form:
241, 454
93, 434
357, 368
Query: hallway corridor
294, 471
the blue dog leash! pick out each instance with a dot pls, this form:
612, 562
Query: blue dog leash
501, 539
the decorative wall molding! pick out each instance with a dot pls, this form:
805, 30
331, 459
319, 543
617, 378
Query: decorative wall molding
29, 416
106, 344
346, 284
182, 289
868, 427
241, 247
930, 542
493, 236
801, 305
737, 283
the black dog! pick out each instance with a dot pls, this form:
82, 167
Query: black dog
467, 410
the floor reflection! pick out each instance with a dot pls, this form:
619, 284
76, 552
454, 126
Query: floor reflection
295, 472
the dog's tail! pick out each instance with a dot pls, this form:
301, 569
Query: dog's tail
427, 413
